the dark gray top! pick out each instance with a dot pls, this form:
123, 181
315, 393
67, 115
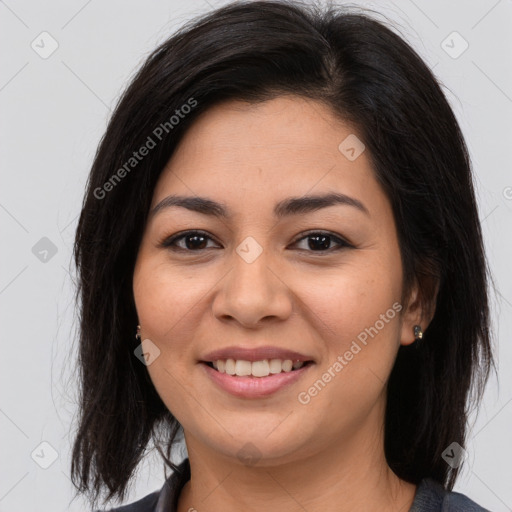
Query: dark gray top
430, 497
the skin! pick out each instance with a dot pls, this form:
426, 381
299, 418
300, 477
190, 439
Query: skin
324, 455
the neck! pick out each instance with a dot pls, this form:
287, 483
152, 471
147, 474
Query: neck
351, 475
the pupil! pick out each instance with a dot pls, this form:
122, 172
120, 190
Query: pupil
319, 242
323, 238
195, 237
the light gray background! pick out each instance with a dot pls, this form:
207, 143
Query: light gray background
54, 112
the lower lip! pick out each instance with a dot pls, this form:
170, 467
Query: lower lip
254, 387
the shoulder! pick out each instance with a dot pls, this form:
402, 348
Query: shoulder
146, 504
164, 499
456, 502
431, 496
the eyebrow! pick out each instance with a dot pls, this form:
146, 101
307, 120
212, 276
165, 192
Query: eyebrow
284, 208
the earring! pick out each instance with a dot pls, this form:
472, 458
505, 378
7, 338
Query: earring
137, 336
418, 333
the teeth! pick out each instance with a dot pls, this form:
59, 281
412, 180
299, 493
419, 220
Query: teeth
230, 367
243, 368
260, 368
263, 368
276, 365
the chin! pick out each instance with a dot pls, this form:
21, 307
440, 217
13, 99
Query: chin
260, 447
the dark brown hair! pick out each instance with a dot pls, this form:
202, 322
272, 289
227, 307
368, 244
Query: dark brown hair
370, 77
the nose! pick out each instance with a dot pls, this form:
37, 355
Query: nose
252, 292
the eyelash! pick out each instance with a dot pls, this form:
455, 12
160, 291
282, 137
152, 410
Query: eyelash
169, 242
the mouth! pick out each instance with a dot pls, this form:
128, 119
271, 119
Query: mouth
255, 372
259, 369
255, 379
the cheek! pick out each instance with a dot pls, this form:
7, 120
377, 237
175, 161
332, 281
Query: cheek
165, 300
354, 297
170, 307
165, 303
358, 318
357, 315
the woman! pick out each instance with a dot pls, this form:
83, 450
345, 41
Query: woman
282, 212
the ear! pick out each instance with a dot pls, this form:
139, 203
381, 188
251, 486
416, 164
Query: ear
420, 309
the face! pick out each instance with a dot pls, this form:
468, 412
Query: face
321, 279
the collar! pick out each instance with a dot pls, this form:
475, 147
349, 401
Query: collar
169, 494
430, 495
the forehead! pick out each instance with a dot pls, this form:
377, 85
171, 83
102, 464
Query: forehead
287, 146
286, 126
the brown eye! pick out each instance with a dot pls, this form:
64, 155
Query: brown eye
196, 241
319, 241
193, 241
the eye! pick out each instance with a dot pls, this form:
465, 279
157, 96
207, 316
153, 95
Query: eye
322, 240
195, 241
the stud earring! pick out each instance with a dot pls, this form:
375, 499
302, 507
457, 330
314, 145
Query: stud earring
418, 333
137, 336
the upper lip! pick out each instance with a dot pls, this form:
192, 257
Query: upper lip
254, 354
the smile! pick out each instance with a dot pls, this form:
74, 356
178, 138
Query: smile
263, 368
256, 379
